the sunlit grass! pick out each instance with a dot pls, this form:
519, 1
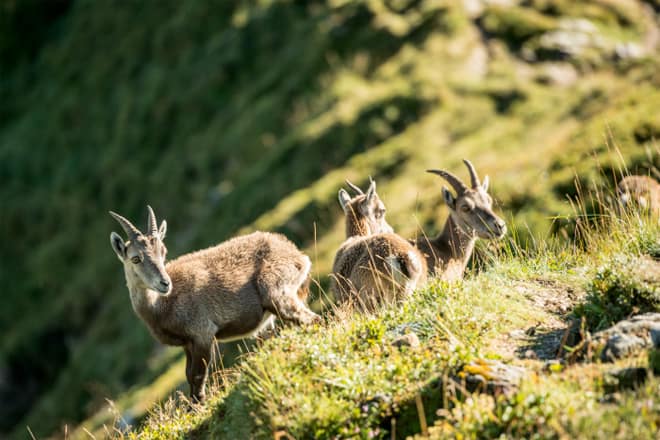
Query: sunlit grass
344, 378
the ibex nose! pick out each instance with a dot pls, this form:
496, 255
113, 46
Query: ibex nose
165, 285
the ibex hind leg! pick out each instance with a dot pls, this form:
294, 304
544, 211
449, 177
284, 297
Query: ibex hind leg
283, 299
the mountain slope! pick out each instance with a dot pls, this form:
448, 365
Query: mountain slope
231, 117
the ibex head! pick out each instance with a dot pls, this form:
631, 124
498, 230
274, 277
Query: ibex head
471, 208
365, 212
143, 254
635, 192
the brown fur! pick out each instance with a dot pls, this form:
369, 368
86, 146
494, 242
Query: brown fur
470, 217
373, 265
642, 192
228, 291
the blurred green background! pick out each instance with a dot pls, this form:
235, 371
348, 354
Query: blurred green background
231, 116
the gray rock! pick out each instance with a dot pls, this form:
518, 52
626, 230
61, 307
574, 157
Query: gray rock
655, 336
625, 378
627, 337
491, 377
629, 51
517, 334
561, 74
408, 340
621, 345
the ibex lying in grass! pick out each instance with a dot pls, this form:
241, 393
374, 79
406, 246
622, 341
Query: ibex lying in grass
373, 265
229, 291
642, 192
470, 217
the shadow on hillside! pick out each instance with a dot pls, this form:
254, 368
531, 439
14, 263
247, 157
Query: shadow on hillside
543, 345
218, 77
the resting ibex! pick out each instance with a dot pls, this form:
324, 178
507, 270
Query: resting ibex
470, 217
229, 291
373, 265
642, 192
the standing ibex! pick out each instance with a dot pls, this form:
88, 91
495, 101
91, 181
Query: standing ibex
229, 291
470, 217
373, 265
642, 192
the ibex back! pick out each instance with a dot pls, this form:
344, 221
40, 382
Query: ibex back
374, 265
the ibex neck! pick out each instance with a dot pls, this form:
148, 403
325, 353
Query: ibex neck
145, 301
460, 245
459, 241
356, 226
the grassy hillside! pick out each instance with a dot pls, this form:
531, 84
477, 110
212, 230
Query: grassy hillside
232, 116
348, 379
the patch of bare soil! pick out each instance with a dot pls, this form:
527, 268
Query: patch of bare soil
541, 340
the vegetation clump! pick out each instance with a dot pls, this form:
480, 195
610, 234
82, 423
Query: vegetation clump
623, 287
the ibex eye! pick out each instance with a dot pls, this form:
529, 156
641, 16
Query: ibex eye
135, 260
465, 208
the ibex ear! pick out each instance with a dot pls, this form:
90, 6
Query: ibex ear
449, 198
485, 183
118, 245
162, 230
344, 198
371, 192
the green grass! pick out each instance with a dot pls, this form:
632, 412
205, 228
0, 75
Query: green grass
344, 378
234, 117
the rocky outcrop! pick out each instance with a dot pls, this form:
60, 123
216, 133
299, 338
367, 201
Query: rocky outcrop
627, 337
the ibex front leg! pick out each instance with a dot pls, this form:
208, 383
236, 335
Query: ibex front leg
198, 357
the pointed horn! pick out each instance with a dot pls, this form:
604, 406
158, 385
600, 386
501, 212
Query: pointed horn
353, 187
473, 173
372, 189
152, 225
454, 181
128, 227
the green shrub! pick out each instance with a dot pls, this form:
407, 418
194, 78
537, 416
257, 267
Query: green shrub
620, 288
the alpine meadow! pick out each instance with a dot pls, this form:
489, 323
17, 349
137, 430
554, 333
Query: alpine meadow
515, 145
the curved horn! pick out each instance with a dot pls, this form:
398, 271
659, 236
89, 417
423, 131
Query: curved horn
128, 227
473, 173
152, 225
454, 181
353, 187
